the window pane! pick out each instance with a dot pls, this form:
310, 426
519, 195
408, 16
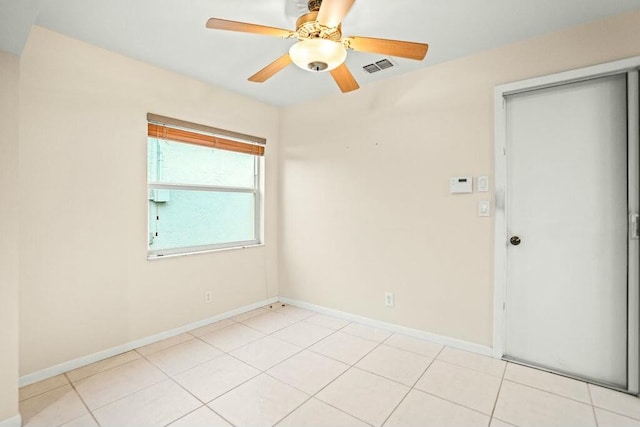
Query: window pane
197, 218
180, 163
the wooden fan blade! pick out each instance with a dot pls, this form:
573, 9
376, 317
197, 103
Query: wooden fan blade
332, 12
344, 79
271, 69
402, 49
223, 24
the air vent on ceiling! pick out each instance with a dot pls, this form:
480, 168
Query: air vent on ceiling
383, 64
371, 68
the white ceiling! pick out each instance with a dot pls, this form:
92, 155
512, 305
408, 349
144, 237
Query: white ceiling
16, 19
172, 34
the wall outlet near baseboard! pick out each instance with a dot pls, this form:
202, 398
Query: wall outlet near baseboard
388, 299
208, 297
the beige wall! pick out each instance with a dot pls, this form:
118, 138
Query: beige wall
86, 284
9, 218
365, 206
356, 209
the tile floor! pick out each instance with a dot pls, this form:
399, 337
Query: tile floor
285, 366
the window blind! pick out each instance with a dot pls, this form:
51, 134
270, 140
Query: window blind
160, 127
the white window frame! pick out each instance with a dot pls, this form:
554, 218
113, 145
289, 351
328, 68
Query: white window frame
256, 191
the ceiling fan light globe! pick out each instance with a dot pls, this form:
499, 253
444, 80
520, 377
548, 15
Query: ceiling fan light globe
308, 52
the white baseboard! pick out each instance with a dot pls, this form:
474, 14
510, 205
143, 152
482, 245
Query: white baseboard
114, 351
439, 339
12, 422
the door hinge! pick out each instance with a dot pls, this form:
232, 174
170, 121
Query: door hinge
634, 226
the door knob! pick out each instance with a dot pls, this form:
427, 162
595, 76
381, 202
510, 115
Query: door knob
515, 240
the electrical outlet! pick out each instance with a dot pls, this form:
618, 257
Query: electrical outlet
388, 299
208, 297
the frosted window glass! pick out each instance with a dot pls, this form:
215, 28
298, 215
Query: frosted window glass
200, 218
179, 163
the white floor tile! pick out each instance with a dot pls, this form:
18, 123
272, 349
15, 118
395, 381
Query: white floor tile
525, 406
393, 363
270, 322
366, 332
154, 406
424, 410
295, 312
615, 401
415, 345
308, 371
266, 352
108, 386
499, 423
609, 419
43, 386
366, 396
232, 337
271, 400
473, 389
249, 314
216, 377
315, 413
103, 365
343, 347
303, 334
478, 362
212, 327
203, 417
84, 421
164, 344
269, 377
181, 357
52, 408
327, 321
546, 381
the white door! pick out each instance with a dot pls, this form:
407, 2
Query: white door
567, 221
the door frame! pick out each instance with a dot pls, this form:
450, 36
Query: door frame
501, 195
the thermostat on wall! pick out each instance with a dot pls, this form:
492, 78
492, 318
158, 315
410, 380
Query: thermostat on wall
461, 184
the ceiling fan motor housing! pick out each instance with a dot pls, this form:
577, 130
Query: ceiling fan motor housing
308, 27
314, 5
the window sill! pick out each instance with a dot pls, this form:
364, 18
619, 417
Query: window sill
206, 251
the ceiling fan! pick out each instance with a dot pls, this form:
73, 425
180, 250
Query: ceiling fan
321, 46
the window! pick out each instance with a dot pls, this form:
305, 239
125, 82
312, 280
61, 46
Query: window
203, 187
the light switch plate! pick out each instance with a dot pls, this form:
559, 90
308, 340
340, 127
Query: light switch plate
483, 184
484, 208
